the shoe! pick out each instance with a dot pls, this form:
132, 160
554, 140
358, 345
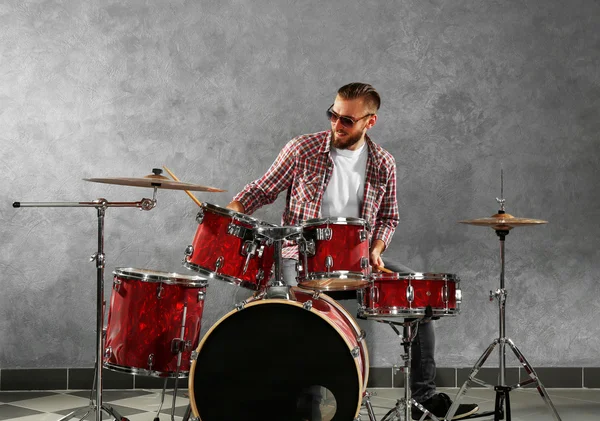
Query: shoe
439, 404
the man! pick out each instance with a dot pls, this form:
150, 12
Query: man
342, 172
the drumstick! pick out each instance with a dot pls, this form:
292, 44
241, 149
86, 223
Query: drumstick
187, 191
382, 269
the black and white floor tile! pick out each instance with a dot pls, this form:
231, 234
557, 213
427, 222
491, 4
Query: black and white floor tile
142, 405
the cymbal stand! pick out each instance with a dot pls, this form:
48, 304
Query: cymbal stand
101, 205
502, 389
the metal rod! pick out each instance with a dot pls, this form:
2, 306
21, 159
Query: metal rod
100, 262
101, 205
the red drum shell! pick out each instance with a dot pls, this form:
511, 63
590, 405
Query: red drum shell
348, 248
141, 325
275, 348
388, 295
214, 245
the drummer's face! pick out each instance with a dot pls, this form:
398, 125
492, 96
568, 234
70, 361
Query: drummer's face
350, 119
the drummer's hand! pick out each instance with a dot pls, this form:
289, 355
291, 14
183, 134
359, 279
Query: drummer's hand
236, 206
375, 254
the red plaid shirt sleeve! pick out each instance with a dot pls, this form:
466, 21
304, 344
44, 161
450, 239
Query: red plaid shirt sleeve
387, 217
266, 189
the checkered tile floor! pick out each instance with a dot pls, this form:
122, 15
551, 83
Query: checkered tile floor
136, 405
141, 405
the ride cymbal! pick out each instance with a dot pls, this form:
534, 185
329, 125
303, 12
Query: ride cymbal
503, 221
154, 180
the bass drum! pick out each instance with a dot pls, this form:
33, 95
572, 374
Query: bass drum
261, 362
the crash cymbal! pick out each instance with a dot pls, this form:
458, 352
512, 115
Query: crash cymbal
154, 180
503, 221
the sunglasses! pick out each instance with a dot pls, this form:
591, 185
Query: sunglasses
344, 120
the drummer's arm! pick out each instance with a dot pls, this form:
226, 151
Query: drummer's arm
377, 248
386, 221
266, 189
236, 205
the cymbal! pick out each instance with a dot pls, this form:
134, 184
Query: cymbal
503, 221
154, 180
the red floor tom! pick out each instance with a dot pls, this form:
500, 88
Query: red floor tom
147, 311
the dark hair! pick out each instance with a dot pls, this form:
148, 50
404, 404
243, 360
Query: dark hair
360, 90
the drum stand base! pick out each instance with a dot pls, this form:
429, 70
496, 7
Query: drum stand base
403, 409
82, 413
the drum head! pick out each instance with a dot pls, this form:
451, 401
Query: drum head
258, 363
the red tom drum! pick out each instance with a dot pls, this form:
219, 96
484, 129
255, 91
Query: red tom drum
406, 295
153, 317
289, 346
227, 248
334, 254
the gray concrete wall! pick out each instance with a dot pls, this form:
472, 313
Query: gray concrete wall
214, 89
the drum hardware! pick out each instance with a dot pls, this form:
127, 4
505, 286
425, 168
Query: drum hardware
201, 296
200, 216
363, 235
307, 305
150, 361
277, 235
219, 264
323, 234
328, 264
403, 408
364, 262
159, 291
502, 223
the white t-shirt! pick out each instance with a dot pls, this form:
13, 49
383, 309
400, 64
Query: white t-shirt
344, 194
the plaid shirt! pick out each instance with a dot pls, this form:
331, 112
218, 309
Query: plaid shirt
304, 167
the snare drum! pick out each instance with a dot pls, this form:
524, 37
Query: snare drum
334, 254
406, 295
226, 247
147, 311
276, 350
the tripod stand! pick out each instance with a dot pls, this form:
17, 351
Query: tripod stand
502, 223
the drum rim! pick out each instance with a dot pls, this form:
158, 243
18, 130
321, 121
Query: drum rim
335, 220
419, 276
144, 372
220, 277
236, 215
158, 276
362, 382
407, 312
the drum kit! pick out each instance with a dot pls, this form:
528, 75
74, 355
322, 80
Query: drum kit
274, 349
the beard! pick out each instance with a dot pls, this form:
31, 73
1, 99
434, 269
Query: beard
346, 141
